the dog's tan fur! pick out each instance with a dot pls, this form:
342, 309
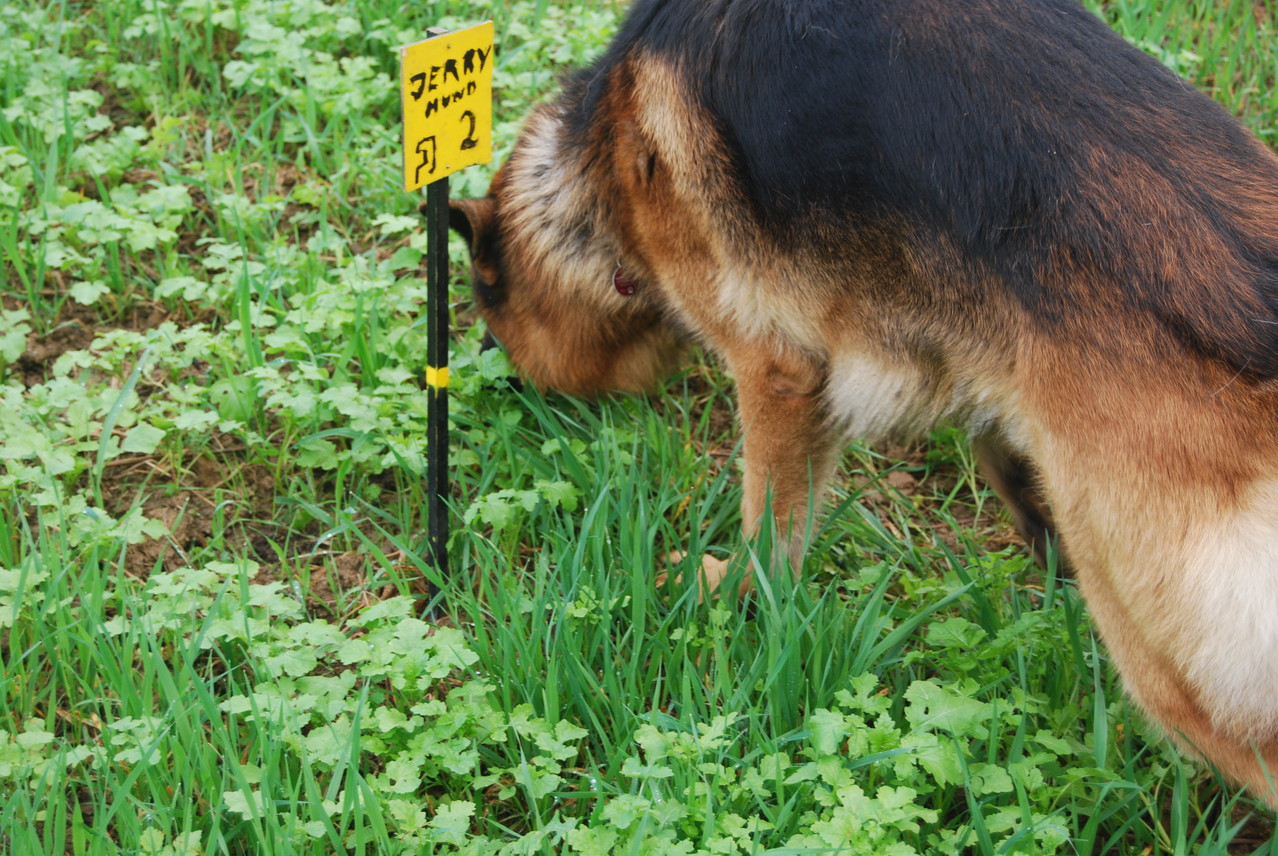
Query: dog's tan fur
1158, 465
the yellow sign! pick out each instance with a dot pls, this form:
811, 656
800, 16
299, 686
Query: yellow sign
446, 85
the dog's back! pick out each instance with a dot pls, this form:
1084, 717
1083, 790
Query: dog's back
1062, 166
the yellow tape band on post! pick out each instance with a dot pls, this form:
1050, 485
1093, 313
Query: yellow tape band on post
438, 378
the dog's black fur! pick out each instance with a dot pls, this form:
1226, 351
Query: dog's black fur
973, 120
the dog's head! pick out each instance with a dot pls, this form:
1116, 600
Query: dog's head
548, 279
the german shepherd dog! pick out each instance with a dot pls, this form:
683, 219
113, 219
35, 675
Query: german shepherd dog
879, 215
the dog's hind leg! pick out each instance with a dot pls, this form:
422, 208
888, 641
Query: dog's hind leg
1155, 675
1171, 524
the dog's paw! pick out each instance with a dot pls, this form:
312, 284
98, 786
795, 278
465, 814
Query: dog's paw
709, 576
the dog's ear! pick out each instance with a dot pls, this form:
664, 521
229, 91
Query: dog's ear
476, 221
637, 153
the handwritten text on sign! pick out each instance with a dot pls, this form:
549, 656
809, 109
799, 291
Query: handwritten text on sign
447, 93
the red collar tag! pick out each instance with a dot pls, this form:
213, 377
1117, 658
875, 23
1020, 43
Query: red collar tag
625, 285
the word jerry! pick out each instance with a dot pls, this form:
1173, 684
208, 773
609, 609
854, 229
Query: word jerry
473, 62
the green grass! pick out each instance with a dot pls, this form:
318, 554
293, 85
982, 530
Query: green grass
212, 528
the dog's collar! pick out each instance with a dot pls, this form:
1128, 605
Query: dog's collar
625, 286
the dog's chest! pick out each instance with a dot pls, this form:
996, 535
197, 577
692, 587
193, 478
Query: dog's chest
871, 398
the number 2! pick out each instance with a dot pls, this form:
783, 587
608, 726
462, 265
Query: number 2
470, 142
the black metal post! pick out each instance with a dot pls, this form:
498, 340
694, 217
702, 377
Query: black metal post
437, 375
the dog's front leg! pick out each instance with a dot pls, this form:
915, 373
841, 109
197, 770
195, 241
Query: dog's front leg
789, 451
